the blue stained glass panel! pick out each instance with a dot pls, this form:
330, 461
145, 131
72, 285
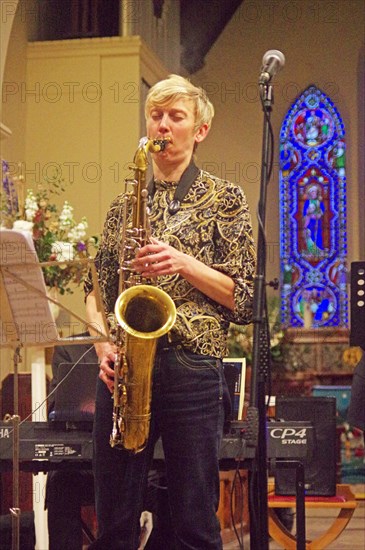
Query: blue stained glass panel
313, 245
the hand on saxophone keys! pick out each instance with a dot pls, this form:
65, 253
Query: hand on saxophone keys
106, 354
158, 258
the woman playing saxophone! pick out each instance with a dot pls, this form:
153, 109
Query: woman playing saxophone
201, 254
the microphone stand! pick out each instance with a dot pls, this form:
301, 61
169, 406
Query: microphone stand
256, 414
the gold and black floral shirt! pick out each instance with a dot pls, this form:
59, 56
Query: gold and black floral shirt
213, 225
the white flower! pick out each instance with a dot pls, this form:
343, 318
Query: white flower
23, 225
66, 217
31, 205
64, 251
77, 233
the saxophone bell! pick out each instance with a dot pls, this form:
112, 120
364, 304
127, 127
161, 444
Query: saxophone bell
145, 311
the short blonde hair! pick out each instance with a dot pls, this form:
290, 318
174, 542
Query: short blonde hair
175, 87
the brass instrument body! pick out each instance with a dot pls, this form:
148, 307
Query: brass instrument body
144, 313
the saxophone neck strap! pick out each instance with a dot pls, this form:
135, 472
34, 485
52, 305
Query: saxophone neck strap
186, 181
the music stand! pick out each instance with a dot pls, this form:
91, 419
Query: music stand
26, 320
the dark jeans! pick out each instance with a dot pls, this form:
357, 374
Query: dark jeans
189, 395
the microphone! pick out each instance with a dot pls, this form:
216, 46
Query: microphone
272, 62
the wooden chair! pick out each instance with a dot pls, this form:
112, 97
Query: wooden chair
344, 501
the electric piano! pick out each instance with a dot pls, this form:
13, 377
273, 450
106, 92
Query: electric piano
43, 446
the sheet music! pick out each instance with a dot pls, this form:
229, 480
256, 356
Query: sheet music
25, 314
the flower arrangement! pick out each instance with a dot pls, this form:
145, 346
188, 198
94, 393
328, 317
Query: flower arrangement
240, 338
56, 234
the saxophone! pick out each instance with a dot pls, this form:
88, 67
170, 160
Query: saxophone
143, 312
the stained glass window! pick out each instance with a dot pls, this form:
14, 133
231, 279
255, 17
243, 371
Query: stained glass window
313, 247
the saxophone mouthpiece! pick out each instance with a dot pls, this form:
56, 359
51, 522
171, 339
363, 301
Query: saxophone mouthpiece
160, 144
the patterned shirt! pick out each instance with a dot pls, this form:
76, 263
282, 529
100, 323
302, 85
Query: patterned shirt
213, 225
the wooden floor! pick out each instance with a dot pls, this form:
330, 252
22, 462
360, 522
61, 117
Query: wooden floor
352, 538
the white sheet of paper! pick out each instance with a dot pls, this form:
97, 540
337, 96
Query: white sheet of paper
25, 315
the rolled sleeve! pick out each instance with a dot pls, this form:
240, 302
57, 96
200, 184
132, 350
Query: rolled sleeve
235, 254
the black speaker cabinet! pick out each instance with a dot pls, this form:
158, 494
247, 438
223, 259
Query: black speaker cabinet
320, 467
26, 532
